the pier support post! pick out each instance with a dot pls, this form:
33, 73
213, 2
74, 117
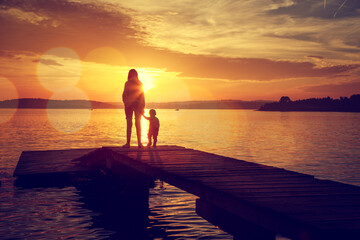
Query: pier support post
120, 206
230, 223
133, 186
121, 196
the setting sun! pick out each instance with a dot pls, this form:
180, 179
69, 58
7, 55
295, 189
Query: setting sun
147, 80
144, 119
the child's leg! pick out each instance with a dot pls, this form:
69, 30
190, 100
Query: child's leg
155, 140
149, 139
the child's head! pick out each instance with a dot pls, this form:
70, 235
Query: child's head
152, 112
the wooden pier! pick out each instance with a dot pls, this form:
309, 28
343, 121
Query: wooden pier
248, 200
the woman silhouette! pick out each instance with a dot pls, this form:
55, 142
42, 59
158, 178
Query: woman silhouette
134, 102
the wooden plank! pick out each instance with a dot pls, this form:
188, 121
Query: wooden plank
136, 149
44, 162
193, 170
287, 203
213, 173
285, 190
194, 156
274, 198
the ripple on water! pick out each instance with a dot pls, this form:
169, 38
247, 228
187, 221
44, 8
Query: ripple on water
41, 213
323, 144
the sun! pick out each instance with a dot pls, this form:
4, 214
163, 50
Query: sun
147, 80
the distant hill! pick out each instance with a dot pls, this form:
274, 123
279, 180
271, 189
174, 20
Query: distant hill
46, 103
83, 104
343, 104
222, 104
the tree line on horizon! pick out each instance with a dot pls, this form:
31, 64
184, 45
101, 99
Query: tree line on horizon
328, 104
343, 104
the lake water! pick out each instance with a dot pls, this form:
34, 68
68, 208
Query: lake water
323, 144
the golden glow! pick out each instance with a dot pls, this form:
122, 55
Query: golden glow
167, 88
107, 55
106, 83
8, 91
63, 119
202, 92
243, 59
147, 80
104, 78
59, 68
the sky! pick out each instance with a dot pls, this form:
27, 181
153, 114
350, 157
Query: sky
183, 50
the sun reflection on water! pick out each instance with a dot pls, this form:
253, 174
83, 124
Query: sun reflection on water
322, 144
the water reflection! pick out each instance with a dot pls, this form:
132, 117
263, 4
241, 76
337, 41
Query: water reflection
323, 144
98, 208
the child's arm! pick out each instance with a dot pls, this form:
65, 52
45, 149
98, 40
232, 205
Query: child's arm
157, 123
147, 118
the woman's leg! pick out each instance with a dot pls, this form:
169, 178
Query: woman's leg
128, 130
129, 114
138, 129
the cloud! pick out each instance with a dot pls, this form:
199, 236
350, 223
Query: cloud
27, 17
54, 23
353, 40
228, 28
342, 88
316, 57
15, 55
316, 9
215, 39
8, 54
49, 62
257, 69
301, 36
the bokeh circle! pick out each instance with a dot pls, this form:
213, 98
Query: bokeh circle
59, 68
69, 120
8, 92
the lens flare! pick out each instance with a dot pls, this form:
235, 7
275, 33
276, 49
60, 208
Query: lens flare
8, 92
169, 89
69, 120
147, 79
59, 68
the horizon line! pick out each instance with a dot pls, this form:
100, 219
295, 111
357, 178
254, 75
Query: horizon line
148, 102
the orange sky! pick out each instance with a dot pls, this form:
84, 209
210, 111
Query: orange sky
187, 50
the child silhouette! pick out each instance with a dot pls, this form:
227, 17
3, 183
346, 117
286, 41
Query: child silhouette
153, 127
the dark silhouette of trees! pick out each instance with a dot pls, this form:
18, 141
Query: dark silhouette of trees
343, 104
284, 99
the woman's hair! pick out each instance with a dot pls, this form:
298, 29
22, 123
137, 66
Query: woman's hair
133, 76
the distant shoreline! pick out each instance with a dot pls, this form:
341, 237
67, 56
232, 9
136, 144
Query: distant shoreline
343, 104
38, 103
285, 104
